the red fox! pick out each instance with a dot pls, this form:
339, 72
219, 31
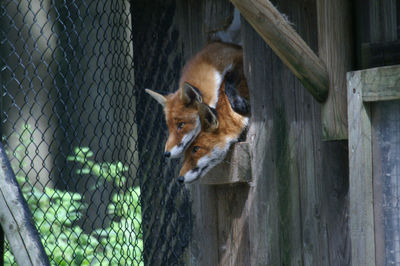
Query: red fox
200, 81
211, 146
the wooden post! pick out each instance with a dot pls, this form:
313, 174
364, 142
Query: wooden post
16, 219
335, 49
287, 44
374, 160
360, 163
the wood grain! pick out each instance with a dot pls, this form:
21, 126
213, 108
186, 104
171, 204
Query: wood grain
335, 50
298, 201
383, 23
380, 84
376, 26
287, 44
235, 168
386, 174
360, 163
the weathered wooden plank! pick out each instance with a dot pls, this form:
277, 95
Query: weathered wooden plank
383, 23
376, 23
334, 39
380, 84
263, 194
360, 162
16, 219
203, 247
236, 168
233, 231
287, 44
213, 23
298, 197
386, 175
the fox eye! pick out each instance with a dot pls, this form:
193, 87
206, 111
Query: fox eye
195, 149
180, 125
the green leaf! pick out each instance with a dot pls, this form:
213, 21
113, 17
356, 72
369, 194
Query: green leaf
85, 149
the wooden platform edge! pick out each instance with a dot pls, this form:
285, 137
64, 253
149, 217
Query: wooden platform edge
236, 167
380, 83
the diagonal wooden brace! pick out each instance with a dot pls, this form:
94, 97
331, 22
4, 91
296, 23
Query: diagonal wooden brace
287, 44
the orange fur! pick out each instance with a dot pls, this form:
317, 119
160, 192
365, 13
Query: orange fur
199, 71
231, 124
175, 113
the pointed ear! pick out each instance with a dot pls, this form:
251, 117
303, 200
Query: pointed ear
190, 94
208, 117
158, 97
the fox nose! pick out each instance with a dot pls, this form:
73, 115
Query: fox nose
181, 179
167, 154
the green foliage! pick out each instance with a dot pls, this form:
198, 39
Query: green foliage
55, 213
110, 172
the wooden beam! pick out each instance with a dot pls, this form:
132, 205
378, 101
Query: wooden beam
360, 163
380, 84
334, 39
16, 219
236, 168
287, 44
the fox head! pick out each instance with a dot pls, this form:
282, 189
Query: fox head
182, 116
202, 155
211, 145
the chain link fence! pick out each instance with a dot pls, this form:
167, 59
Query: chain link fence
83, 139
158, 57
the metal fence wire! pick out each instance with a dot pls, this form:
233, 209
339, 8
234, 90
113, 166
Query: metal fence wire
83, 139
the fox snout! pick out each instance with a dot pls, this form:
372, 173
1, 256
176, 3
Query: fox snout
173, 148
177, 144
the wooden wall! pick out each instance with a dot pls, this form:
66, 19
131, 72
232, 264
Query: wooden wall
374, 159
378, 33
386, 173
298, 213
295, 212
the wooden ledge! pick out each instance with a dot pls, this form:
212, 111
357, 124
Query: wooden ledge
380, 83
236, 167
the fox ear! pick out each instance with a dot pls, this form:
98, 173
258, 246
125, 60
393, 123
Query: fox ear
158, 97
208, 117
190, 94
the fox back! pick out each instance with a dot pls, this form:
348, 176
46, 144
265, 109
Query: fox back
200, 81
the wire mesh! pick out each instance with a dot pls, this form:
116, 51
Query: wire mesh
81, 137
158, 60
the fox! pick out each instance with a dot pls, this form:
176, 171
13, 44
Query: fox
200, 83
211, 146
